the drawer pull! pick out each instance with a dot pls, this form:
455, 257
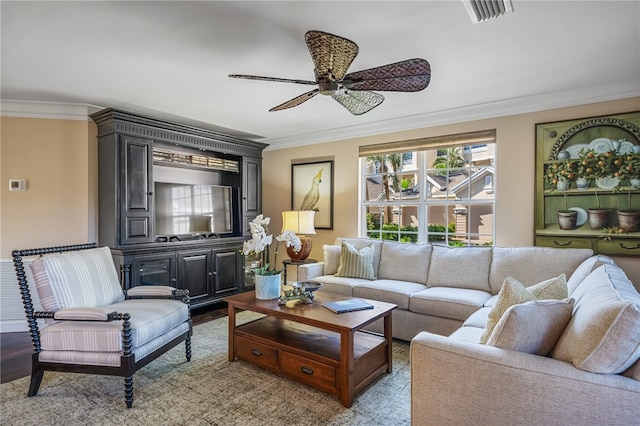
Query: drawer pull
629, 248
256, 352
558, 243
306, 370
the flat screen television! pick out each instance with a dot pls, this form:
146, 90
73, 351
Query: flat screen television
187, 209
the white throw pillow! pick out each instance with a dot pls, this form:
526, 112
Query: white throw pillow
533, 327
331, 259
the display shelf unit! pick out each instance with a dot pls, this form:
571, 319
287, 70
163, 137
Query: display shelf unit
557, 144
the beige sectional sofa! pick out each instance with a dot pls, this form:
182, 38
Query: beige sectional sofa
569, 361
436, 287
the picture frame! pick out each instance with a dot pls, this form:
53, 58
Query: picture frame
312, 189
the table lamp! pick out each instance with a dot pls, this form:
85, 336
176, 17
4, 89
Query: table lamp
300, 222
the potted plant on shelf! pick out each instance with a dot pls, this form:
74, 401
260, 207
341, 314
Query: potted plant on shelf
268, 278
629, 168
598, 167
559, 175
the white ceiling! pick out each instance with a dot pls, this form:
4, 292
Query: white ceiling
171, 59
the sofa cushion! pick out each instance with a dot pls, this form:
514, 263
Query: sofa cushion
603, 335
514, 292
358, 243
529, 265
447, 302
404, 262
467, 334
390, 291
478, 319
356, 263
460, 267
331, 259
86, 278
149, 319
339, 285
533, 327
633, 371
585, 268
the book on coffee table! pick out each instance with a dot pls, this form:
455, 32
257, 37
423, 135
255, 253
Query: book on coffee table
348, 305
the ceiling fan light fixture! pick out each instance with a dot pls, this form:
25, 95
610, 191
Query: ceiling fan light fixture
483, 10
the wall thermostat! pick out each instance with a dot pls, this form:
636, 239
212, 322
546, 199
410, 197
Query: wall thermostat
17, 185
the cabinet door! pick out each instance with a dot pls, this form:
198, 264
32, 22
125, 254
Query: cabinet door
154, 269
226, 265
136, 207
251, 191
194, 274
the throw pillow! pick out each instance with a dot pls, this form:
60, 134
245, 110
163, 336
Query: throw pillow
356, 263
554, 288
331, 259
533, 327
514, 292
585, 268
511, 293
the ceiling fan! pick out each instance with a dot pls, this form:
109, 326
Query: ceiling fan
332, 55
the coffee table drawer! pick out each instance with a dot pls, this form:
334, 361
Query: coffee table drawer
256, 353
311, 372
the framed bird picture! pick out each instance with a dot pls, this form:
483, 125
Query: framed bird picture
312, 189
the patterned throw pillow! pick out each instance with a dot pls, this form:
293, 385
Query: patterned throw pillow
356, 263
532, 327
513, 292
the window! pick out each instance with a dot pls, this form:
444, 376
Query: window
430, 191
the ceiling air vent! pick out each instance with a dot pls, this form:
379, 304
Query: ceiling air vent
483, 10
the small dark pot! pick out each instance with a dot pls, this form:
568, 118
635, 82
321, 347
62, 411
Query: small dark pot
598, 218
629, 220
567, 219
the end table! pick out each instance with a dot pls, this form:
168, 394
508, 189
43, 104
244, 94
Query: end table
288, 262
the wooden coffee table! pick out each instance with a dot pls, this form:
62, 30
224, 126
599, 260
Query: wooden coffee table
313, 345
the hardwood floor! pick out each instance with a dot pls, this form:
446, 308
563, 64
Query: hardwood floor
16, 348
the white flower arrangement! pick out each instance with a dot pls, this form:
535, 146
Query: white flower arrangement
261, 241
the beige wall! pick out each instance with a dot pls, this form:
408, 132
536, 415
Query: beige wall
514, 185
58, 159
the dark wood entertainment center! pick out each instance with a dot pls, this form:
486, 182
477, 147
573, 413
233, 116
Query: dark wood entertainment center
134, 151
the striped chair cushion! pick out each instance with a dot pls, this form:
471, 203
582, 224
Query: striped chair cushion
86, 278
149, 319
111, 359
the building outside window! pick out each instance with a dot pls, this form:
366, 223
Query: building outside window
437, 190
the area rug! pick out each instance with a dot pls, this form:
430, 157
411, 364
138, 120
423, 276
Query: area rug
209, 390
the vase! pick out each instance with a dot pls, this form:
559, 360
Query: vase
303, 253
629, 220
562, 185
567, 219
268, 286
598, 218
582, 184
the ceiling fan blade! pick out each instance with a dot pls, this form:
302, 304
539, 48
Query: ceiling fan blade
358, 102
411, 75
296, 101
332, 55
281, 80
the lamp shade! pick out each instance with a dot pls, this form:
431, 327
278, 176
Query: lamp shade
299, 221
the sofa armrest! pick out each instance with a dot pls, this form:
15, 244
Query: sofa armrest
462, 383
310, 271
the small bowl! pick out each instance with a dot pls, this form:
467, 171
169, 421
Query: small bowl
308, 285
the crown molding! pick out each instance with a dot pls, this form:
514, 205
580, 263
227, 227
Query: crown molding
49, 110
501, 108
